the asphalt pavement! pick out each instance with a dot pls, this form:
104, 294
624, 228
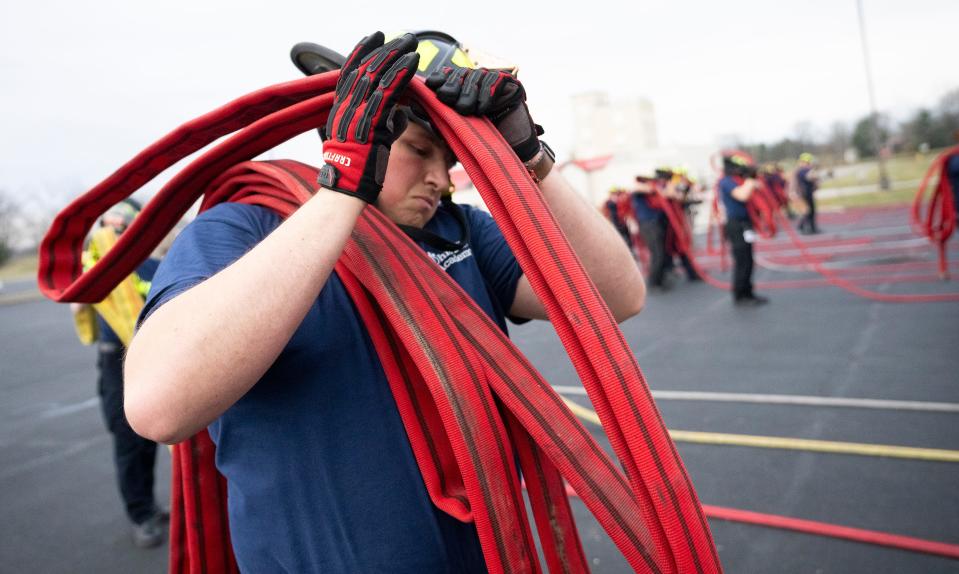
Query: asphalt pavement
62, 513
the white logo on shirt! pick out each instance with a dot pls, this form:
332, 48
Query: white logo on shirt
446, 259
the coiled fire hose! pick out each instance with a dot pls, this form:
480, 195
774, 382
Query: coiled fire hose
762, 208
449, 386
939, 221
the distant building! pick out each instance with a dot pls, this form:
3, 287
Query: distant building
622, 128
625, 130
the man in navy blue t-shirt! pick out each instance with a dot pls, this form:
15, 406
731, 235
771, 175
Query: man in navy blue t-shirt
735, 189
249, 332
652, 226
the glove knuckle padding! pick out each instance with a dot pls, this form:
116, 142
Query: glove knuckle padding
449, 92
362, 124
388, 52
359, 93
362, 50
366, 118
466, 104
486, 91
438, 78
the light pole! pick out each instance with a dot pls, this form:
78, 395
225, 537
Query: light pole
883, 176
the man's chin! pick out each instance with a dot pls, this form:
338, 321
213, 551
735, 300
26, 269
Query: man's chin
411, 219
411, 216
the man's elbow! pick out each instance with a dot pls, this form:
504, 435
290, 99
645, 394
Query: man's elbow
632, 303
144, 412
147, 423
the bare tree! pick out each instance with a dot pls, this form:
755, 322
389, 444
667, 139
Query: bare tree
839, 140
8, 216
804, 133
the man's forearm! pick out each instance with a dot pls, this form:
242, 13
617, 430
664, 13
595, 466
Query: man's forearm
200, 352
602, 251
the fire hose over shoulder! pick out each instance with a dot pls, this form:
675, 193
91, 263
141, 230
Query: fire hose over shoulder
651, 510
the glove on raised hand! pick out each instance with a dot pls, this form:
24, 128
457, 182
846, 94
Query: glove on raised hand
497, 95
363, 122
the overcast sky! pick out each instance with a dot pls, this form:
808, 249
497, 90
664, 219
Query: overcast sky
85, 85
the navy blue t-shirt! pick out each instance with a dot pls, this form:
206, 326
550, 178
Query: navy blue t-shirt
145, 272
320, 472
735, 209
643, 210
806, 185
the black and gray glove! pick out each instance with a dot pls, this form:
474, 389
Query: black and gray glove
495, 94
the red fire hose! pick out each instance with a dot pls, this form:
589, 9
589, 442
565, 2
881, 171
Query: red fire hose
762, 207
449, 385
939, 221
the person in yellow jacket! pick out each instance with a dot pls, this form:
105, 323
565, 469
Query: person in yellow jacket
110, 324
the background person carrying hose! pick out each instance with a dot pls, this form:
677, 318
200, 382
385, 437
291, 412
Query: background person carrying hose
807, 182
249, 331
109, 324
735, 189
675, 187
652, 227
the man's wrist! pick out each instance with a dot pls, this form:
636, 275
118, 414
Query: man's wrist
329, 178
542, 163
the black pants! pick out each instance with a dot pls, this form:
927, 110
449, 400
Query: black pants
808, 221
742, 257
133, 455
654, 234
687, 264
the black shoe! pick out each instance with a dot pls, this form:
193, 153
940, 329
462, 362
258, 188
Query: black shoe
751, 301
694, 278
162, 513
149, 533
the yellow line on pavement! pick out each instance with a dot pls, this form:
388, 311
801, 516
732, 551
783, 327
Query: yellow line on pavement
933, 454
